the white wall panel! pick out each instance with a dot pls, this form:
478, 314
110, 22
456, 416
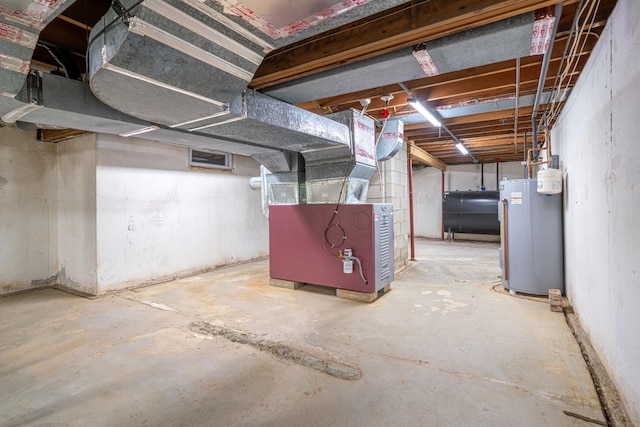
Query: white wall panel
28, 207
597, 137
158, 218
77, 214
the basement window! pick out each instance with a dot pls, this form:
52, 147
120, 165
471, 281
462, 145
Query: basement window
209, 159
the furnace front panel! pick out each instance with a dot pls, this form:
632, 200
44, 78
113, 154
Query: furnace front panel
305, 242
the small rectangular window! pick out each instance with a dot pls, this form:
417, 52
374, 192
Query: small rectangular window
210, 159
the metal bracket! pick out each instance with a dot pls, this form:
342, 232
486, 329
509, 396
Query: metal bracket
121, 11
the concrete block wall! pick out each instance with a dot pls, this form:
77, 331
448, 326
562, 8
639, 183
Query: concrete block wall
158, 218
596, 137
28, 208
99, 213
77, 238
390, 186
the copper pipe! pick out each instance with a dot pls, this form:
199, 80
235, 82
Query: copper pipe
411, 232
442, 219
505, 245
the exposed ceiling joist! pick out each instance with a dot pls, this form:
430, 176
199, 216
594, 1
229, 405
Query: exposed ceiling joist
386, 32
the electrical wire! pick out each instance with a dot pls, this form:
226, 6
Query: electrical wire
55, 57
380, 175
106, 27
574, 49
324, 239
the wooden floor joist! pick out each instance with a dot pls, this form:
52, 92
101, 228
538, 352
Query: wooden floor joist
422, 156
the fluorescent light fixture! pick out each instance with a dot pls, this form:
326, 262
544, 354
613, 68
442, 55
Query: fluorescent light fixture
460, 146
422, 110
139, 131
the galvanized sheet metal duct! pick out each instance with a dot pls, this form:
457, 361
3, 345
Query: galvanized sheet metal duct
20, 24
499, 41
390, 140
254, 117
342, 176
52, 101
170, 62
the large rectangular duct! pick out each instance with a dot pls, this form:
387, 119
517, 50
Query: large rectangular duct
257, 118
20, 26
162, 55
342, 176
52, 101
495, 42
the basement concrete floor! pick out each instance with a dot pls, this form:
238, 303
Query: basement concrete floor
441, 349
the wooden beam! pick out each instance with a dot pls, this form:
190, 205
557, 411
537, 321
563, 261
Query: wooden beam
422, 156
57, 135
386, 32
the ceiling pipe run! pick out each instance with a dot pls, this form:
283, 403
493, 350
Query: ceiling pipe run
543, 76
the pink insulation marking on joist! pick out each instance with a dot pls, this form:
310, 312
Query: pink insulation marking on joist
18, 36
238, 9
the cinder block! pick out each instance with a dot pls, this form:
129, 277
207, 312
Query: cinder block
367, 297
555, 299
286, 284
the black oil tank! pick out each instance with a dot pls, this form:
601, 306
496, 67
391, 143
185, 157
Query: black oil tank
471, 212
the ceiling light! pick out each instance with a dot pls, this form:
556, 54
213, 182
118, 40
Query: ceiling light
460, 146
422, 110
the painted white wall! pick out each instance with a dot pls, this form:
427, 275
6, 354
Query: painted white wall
28, 207
158, 218
597, 138
77, 214
427, 190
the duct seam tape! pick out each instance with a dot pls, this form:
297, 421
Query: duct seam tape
14, 64
203, 30
154, 82
243, 12
18, 36
240, 30
426, 63
541, 37
143, 28
20, 18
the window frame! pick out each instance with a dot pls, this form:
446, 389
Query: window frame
228, 160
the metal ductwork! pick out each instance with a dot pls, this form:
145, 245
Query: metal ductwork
491, 43
171, 63
153, 55
339, 175
334, 175
20, 24
390, 140
52, 101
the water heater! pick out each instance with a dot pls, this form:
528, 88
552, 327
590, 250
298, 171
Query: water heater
346, 246
531, 252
